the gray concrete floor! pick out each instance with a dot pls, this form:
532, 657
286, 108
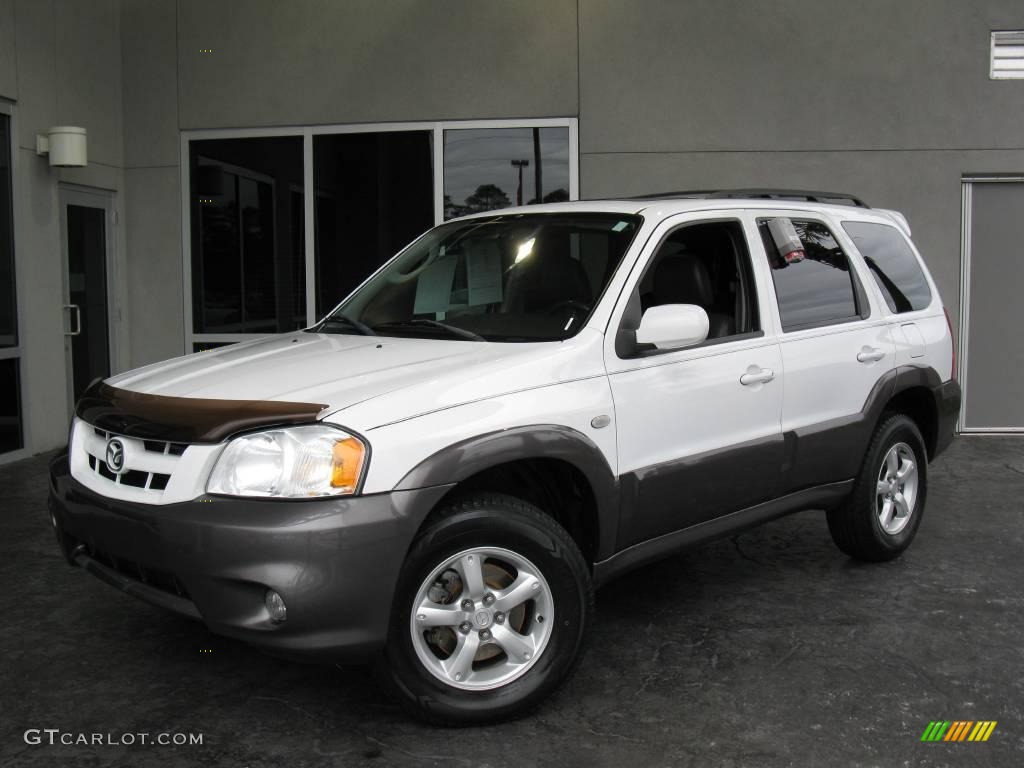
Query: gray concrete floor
767, 649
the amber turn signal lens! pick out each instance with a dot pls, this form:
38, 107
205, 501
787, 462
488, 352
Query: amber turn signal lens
346, 464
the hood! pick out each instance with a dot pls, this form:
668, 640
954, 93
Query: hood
340, 370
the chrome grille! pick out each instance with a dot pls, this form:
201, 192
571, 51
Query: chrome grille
148, 464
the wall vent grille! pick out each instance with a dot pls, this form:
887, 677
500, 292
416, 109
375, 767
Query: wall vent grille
1007, 60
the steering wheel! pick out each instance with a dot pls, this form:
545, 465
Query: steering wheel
568, 304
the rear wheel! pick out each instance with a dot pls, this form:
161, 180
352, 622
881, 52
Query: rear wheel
881, 517
490, 612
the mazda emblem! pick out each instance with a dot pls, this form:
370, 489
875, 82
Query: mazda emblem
115, 456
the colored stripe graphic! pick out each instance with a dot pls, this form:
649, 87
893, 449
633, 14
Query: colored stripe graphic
958, 730
935, 730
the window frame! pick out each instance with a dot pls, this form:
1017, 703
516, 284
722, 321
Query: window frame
631, 292
307, 132
862, 302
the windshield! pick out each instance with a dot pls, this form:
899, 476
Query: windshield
523, 277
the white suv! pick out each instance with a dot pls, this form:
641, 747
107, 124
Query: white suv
519, 406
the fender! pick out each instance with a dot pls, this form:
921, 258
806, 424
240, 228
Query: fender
947, 397
908, 376
464, 459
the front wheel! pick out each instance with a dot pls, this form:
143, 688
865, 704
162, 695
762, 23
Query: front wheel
881, 517
490, 612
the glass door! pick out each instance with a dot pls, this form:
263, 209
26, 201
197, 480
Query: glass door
86, 219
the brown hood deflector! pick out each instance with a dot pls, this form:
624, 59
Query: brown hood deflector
184, 419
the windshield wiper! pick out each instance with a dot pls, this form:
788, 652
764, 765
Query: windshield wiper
340, 319
462, 333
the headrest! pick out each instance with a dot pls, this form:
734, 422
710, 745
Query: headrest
682, 278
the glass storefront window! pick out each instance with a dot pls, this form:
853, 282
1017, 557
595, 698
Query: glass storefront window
374, 195
488, 168
262, 232
11, 438
8, 304
248, 266
11, 428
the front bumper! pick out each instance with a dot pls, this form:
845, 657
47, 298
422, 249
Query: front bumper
334, 561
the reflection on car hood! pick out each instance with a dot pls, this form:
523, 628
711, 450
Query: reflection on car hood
342, 371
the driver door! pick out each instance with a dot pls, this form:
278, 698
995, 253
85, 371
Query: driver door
699, 436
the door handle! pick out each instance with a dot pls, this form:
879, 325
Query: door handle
870, 355
77, 314
756, 375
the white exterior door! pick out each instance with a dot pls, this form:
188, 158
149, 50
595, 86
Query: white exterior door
695, 442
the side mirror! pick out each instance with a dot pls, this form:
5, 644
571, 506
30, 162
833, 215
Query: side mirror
673, 326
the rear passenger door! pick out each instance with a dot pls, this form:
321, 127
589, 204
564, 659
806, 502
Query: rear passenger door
698, 427
836, 348
916, 317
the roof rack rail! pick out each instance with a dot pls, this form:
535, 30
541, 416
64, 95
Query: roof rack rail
759, 194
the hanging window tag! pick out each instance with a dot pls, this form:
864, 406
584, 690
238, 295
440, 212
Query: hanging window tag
791, 249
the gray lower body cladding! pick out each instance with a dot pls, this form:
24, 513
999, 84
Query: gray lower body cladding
335, 562
671, 506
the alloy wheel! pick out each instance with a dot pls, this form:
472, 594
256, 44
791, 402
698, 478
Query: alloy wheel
482, 618
896, 488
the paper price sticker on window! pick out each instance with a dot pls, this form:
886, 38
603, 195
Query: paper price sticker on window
786, 239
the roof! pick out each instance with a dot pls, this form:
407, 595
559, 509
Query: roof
671, 203
668, 207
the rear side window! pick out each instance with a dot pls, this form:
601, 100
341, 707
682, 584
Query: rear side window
893, 265
815, 287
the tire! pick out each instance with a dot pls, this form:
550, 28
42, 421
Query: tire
871, 525
540, 638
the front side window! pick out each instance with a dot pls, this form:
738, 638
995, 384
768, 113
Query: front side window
814, 284
528, 277
893, 265
707, 265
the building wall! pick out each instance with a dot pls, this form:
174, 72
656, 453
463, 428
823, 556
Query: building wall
301, 63
60, 64
888, 99
149, 49
296, 63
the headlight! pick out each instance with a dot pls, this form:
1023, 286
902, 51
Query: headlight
292, 462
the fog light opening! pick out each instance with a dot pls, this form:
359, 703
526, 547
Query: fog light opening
275, 607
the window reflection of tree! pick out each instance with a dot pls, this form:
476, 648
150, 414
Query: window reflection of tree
490, 197
820, 246
557, 196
